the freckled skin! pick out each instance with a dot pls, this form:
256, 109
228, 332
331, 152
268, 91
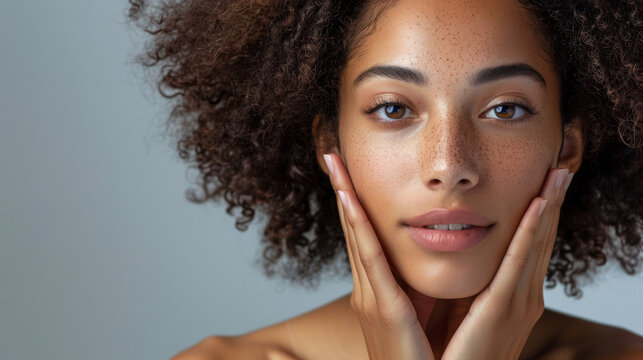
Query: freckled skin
449, 155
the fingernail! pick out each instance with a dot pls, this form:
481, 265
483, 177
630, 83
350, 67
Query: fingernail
342, 197
569, 181
329, 163
561, 177
541, 207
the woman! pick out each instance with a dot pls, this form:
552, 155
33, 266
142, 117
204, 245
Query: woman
431, 142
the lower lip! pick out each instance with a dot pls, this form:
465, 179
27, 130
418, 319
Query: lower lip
447, 240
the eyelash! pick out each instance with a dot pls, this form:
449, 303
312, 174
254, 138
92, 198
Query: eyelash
381, 102
513, 102
388, 101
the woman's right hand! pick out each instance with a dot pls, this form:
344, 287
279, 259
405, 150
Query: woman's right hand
392, 321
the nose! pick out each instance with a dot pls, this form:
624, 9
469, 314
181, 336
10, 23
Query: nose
450, 154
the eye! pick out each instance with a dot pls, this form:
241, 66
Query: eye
508, 111
390, 111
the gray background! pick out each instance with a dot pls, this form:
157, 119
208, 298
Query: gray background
101, 255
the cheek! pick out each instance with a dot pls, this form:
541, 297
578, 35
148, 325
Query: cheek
379, 167
510, 167
516, 173
519, 164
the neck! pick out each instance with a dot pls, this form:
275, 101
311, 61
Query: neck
445, 319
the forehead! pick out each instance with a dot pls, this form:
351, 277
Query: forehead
449, 38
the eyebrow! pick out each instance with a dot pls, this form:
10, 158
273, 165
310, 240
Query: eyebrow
495, 73
486, 75
392, 72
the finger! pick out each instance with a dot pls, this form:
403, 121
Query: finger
356, 296
544, 263
371, 255
349, 248
368, 254
544, 237
341, 182
367, 297
553, 191
339, 177
517, 255
527, 241
533, 278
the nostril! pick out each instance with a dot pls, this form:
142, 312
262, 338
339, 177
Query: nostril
463, 183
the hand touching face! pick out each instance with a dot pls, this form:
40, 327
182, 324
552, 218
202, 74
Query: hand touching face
449, 106
496, 323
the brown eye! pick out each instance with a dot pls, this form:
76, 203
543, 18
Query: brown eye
390, 111
505, 111
508, 112
395, 111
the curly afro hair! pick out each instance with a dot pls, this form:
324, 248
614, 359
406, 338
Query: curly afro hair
247, 78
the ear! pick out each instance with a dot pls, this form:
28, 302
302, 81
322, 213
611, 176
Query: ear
325, 141
571, 155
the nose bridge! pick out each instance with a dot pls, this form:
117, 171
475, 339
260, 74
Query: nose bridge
449, 152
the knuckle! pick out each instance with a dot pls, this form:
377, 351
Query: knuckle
387, 317
352, 221
519, 258
370, 307
357, 220
370, 258
530, 228
349, 218
364, 308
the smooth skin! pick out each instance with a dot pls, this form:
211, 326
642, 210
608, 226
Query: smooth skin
448, 146
500, 318
445, 145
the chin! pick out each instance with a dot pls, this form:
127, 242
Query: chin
443, 283
450, 275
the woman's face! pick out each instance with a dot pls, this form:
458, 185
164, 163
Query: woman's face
425, 123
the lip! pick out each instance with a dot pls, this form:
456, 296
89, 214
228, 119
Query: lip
446, 216
448, 240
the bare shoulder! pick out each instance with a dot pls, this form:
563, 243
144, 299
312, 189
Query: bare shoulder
209, 348
578, 338
227, 347
326, 332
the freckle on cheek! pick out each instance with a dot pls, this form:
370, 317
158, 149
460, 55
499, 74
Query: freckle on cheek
518, 165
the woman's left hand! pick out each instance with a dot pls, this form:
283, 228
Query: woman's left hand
500, 319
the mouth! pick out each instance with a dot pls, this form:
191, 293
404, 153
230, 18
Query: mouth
445, 230
450, 227
436, 238
452, 219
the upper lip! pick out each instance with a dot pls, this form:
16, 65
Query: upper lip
449, 216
